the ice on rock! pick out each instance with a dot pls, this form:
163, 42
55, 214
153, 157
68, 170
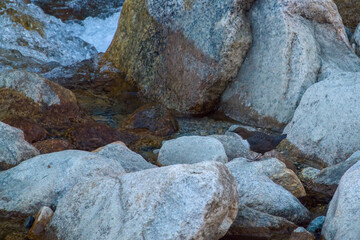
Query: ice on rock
95, 30
27, 29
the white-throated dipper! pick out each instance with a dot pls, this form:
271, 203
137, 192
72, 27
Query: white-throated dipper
259, 142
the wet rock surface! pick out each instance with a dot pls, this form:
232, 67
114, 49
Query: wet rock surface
154, 119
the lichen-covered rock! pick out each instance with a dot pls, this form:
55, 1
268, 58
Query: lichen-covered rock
267, 205
43, 180
30, 96
129, 160
325, 126
342, 219
181, 53
284, 59
13, 147
176, 202
191, 149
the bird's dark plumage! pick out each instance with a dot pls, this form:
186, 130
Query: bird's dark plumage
260, 142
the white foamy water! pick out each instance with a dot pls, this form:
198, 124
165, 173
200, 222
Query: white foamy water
96, 31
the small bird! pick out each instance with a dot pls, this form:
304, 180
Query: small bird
259, 142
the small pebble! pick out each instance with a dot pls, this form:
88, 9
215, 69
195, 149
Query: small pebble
316, 224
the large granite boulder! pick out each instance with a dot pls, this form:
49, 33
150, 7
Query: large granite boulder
176, 202
342, 218
191, 149
326, 126
265, 208
181, 53
284, 59
13, 147
43, 180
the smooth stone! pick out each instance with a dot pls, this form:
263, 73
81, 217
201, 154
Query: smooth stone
191, 149
129, 160
316, 224
234, 145
308, 173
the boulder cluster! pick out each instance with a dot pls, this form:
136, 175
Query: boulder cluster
287, 66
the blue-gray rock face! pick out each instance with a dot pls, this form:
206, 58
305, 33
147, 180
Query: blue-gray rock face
196, 201
191, 149
283, 62
13, 147
43, 180
193, 49
342, 219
